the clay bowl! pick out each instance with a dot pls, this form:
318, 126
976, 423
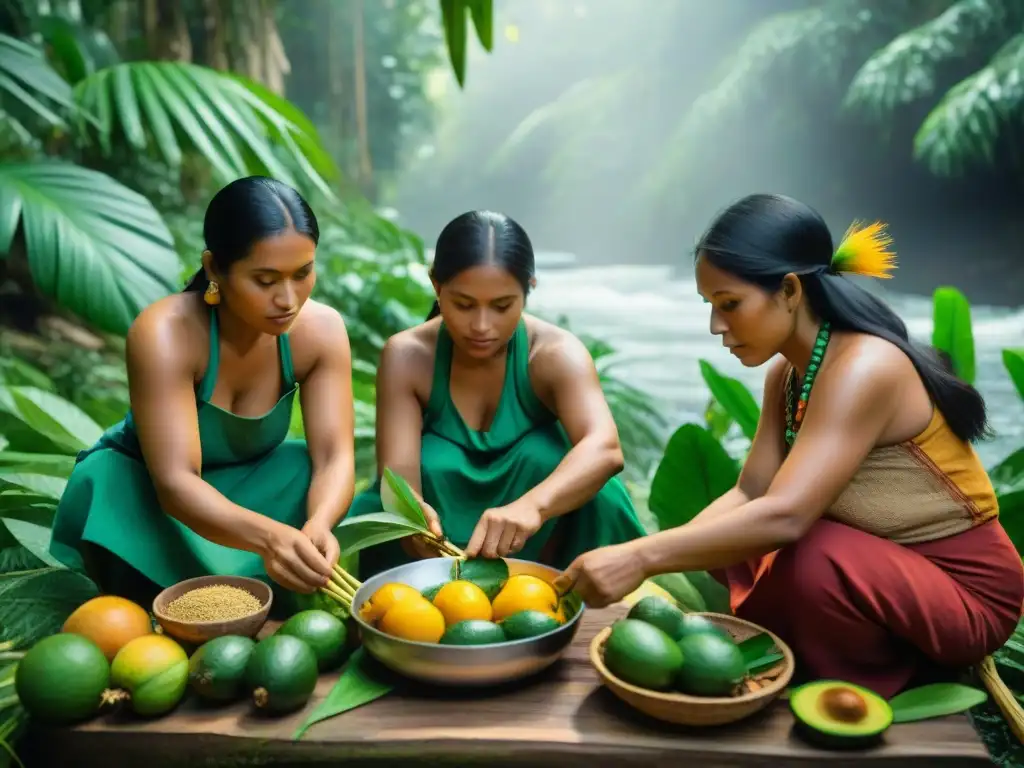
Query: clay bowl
198, 632
682, 709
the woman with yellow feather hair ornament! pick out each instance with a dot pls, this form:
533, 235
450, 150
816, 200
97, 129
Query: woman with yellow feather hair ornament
863, 529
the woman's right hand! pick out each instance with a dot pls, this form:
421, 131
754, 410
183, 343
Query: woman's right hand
294, 562
418, 547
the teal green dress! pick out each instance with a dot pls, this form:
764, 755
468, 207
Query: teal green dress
109, 522
464, 471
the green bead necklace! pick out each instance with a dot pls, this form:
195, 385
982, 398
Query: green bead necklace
796, 403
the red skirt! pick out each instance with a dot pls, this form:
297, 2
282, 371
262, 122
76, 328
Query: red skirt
866, 610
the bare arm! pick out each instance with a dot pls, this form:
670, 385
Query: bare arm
845, 419
766, 451
328, 417
163, 404
579, 403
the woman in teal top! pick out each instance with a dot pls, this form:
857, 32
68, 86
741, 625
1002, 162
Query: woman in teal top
199, 478
495, 418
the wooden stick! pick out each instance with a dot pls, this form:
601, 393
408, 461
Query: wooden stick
1004, 698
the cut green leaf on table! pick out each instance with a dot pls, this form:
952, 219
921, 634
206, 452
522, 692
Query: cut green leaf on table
358, 684
936, 700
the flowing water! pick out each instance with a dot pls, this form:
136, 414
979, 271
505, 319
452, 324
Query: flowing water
659, 324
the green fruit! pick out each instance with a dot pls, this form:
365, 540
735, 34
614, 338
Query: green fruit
660, 613
835, 714
324, 633
216, 671
473, 632
62, 679
643, 655
712, 665
524, 624
431, 592
281, 673
691, 624
152, 672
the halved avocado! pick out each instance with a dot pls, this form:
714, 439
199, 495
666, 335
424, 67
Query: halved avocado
839, 715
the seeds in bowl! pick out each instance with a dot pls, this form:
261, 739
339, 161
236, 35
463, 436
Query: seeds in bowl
219, 602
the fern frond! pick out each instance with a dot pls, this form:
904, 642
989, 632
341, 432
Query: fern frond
965, 126
908, 68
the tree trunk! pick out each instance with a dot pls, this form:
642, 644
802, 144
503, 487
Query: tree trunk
215, 44
365, 164
166, 30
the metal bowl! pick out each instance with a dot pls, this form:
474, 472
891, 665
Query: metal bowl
462, 665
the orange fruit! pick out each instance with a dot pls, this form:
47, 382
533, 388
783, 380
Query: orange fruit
417, 620
385, 597
461, 601
523, 592
109, 621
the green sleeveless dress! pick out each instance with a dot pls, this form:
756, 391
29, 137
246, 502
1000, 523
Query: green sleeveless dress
109, 522
464, 471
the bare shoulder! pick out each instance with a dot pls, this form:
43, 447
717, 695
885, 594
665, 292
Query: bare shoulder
555, 351
317, 328
172, 329
865, 366
408, 356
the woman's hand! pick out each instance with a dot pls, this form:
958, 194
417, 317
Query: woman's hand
293, 561
322, 537
603, 576
504, 530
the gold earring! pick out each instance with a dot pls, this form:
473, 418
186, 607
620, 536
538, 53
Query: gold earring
212, 294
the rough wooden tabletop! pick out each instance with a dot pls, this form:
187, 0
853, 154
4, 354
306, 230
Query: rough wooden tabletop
563, 716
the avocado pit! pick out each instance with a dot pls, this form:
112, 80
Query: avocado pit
843, 705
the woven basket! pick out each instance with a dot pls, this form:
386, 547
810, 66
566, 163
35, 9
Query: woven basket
682, 709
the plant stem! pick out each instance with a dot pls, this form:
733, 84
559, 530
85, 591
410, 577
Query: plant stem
342, 597
342, 588
12, 655
9, 701
9, 645
348, 578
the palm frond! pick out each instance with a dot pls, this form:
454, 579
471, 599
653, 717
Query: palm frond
966, 125
98, 248
908, 68
233, 123
28, 81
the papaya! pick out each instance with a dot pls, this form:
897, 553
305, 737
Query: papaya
324, 633
281, 673
110, 622
151, 673
62, 679
216, 671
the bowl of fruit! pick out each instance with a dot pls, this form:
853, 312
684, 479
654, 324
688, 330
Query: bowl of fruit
691, 668
456, 622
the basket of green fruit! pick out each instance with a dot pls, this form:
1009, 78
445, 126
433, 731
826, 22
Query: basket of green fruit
691, 668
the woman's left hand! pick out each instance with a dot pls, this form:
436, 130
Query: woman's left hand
323, 539
603, 576
504, 530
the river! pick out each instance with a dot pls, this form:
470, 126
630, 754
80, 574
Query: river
660, 325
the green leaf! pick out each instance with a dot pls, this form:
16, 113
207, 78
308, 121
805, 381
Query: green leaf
767, 661
397, 498
714, 593
1011, 516
431, 592
734, 397
362, 531
570, 603
95, 246
33, 537
482, 13
716, 419
453, 13
1007, 475
694, 471
54, 465
488, 574
682, 591
51, 416
1013, 360
756, 647
36, 605
27, 78
935, 700
358, 684
51, 488
951, 330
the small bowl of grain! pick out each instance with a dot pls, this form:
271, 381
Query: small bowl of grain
200, 609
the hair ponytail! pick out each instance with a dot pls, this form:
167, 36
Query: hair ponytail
197, 283
435, 310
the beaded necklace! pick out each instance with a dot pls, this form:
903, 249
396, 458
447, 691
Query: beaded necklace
796, 403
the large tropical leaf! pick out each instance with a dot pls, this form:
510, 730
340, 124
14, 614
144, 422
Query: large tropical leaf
236, 125
908, 68
95, 246
26, 79
966, 125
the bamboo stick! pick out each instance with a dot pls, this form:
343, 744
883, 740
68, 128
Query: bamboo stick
342, 587
1003, 697
337, 594
348, 578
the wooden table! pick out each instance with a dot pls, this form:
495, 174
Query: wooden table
562, 717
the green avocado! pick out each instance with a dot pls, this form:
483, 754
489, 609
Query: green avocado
660, 613
643, 655
281, 673
216, 671
712, 665
61, 679
473, 632
325, 633
839, 715
691, 624
524, 624
431, 592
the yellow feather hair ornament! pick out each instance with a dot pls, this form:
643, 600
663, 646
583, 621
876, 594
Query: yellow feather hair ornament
864, 251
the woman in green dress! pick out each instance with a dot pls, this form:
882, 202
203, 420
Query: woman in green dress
495, 418
199, 478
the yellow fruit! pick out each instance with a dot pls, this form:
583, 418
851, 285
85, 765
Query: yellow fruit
525, 593
110, 622
417, 620
385, 597
461, 601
